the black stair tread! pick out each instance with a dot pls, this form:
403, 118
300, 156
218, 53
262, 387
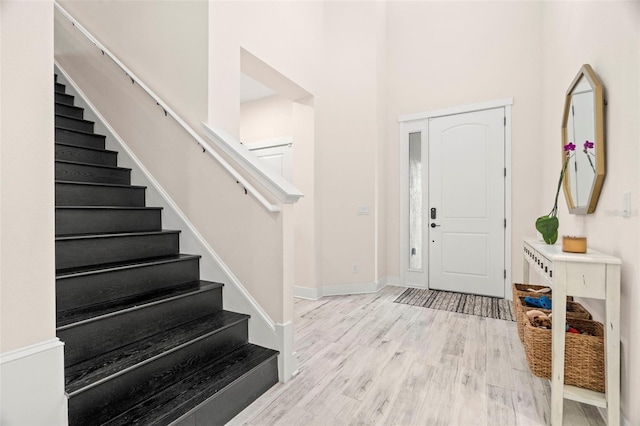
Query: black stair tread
78, 315
116, 185
98, 269
101, 166
86, 374
178, 399
85, 147
79, 131
68, 106
208, 286
57, 114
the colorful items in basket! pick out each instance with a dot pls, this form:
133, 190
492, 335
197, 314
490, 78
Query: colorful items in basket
541, 320
542, 302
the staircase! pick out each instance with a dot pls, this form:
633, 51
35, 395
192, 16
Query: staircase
146, 341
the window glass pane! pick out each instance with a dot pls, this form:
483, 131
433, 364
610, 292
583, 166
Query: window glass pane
415, 201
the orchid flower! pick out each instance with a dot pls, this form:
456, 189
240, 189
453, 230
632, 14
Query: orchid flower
548, 224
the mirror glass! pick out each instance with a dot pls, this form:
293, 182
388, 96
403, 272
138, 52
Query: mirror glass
583, 129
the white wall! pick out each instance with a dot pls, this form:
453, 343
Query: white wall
347, 141
26, 159
163, 42
605, 35
267, 118
31, 367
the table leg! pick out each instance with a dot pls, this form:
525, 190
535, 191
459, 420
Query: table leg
612, 343
558, 343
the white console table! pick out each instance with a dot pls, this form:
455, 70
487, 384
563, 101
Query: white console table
593, 275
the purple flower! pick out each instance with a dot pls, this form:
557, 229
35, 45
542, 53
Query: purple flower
569, 147
588, 145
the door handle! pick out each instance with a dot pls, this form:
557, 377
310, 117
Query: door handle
433, 225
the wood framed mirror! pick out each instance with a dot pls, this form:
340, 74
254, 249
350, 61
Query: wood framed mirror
583, 127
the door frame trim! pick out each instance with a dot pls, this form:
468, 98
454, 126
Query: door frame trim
411, 120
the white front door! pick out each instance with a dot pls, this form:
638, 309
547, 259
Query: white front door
466, 207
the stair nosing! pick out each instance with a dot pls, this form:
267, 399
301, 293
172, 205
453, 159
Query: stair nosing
116, 185
204, 289
141, 263
160, 355
102, 166
116, 234
80, 131
107, 208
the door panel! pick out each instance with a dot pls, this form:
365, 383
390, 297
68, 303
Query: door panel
466, 187
278, 155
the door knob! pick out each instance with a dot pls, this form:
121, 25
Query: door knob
433, 225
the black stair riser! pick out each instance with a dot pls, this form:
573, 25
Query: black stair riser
73, 137
82, 252
74, 123
80, 291
107, 220
226, 404
64, 99
69, 110
59, 87
77, 194
86, 155
78, 172
96, 405
88, 339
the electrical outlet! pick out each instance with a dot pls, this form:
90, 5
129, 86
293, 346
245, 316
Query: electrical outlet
355, 268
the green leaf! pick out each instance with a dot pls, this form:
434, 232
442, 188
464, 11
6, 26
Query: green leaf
548, 227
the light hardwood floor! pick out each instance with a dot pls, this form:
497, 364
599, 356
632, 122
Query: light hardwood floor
366, 360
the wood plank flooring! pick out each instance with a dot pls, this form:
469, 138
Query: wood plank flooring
366, 360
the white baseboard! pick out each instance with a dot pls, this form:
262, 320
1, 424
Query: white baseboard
262, 330
315, 293
307, 293
32, 384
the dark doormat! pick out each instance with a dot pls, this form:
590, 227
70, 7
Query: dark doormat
483, 306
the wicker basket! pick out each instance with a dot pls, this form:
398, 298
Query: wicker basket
520, 290
583, 358
574, 310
